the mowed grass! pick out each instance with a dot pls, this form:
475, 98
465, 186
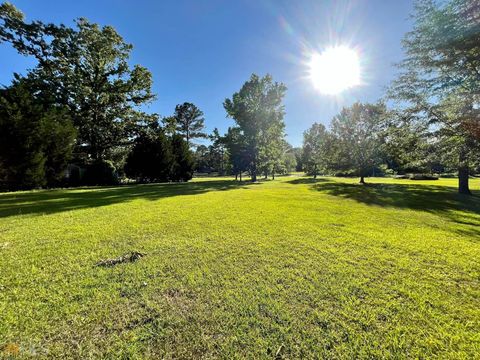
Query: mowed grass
291, 268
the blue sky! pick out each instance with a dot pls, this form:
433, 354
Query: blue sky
202, 51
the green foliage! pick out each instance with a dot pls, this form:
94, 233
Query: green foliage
74, 175
100, 172
258, 111
85, 69
323, 269
316, 146
36, 141
158, 158
439, 79
409, 147
150, 159
356, 139
183, 162
239, 154
169, 125
217, 152
289, 162
298, 152
188, 121
202, 159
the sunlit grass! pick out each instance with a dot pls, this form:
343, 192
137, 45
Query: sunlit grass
328, 268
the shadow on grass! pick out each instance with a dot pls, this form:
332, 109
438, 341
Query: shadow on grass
440, 200
54, 201
304, 180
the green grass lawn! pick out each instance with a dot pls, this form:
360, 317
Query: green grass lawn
289, 268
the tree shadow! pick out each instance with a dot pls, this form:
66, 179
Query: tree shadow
54, 201
435, 199
305, 180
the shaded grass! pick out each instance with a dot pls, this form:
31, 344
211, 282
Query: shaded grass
324, 269
52, 201
437, 199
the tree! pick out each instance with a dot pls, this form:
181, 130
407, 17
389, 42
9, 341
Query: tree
283, 160
36, 141
271, 149
409, 146
289, 162
258, 111
85, 69
217, 152
315, 142
202, 159
298, 152
238, 153
356, 139
169, 125
439, 78
151, 158
183, 163
189, 122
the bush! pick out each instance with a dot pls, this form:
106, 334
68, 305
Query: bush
417, 177
423, 177
150, 159
183, 165
73, 176
100, 172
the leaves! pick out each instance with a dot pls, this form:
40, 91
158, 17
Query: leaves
188, 121
258, 111
86, 69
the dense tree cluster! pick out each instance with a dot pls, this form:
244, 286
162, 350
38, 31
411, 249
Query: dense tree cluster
437, 89
36, 139
352, 145
170, 155
76, 117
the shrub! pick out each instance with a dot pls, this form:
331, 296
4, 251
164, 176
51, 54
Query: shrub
183, 164
423, 177
100, 172
150, 159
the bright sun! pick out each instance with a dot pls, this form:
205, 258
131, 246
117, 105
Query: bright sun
335, 70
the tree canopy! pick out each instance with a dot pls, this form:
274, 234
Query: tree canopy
356, 138
439, 79
85, 69
188, 121
315, 149
258, 112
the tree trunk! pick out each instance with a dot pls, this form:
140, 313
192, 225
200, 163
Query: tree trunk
240, 176
253, 170
463, 174
273, 175
315, 171
236, 177
362, 180
253, 167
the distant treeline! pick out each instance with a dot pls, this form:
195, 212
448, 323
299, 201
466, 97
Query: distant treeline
76, 118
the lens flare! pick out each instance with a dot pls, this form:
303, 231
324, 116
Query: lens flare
335, 70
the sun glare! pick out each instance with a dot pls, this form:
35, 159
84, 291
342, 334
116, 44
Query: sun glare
335, 70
